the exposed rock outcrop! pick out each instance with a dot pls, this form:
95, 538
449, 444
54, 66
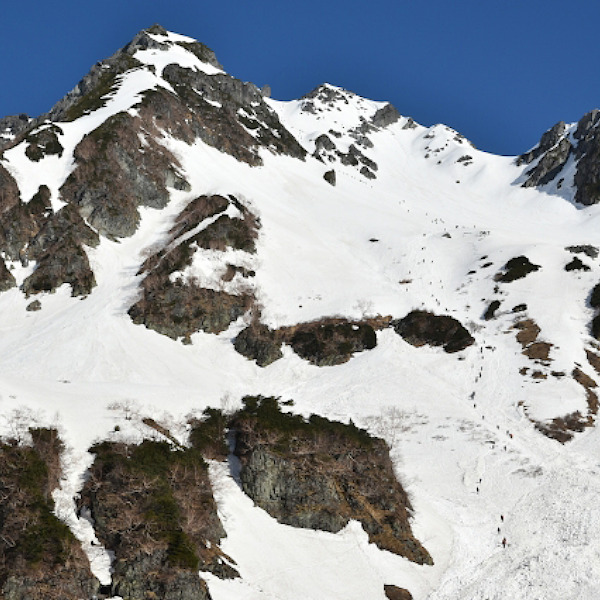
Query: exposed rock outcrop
549, 165
330, 341
420, 327
326, 342
153, 507
516, 268
59, 251
259, 343
319, 474
44, 142
223, 112
548, 140
40, 557
176, 306
117, 171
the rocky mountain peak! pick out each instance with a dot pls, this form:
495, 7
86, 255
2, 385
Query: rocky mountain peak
566, 162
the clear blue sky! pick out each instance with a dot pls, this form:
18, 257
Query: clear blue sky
499, 71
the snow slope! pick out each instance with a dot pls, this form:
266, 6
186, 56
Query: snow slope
417, 236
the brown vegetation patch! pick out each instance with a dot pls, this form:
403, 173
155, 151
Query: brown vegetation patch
396, 593
319, 474
563, 428
538, 351
528, 332
588, 384
40, 559
153, 507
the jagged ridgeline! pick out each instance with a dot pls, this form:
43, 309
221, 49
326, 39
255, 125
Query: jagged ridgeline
120, 165
152, 505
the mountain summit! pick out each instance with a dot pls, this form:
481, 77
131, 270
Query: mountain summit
283, 350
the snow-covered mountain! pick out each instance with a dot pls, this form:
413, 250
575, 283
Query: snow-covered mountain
174, 240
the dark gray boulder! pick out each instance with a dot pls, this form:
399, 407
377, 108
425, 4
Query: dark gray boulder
330, 177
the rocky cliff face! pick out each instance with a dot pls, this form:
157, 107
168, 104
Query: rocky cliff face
580, 144
319, 474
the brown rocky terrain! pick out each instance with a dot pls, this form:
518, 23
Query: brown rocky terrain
177, 307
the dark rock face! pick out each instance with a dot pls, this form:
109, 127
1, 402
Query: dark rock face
275, 484
550, 165
224, 112
319, 474
19, 222
547, 141
41, 559
421, 327
259, 343
145, 577
178, 308
116, 173
330, 342
10, 191
153, 507
61, 258
516, 268
555, 149
32, 232
587, 177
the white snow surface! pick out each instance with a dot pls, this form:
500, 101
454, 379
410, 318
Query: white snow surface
459, 425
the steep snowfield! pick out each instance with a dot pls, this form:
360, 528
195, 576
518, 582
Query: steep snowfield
417, 236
